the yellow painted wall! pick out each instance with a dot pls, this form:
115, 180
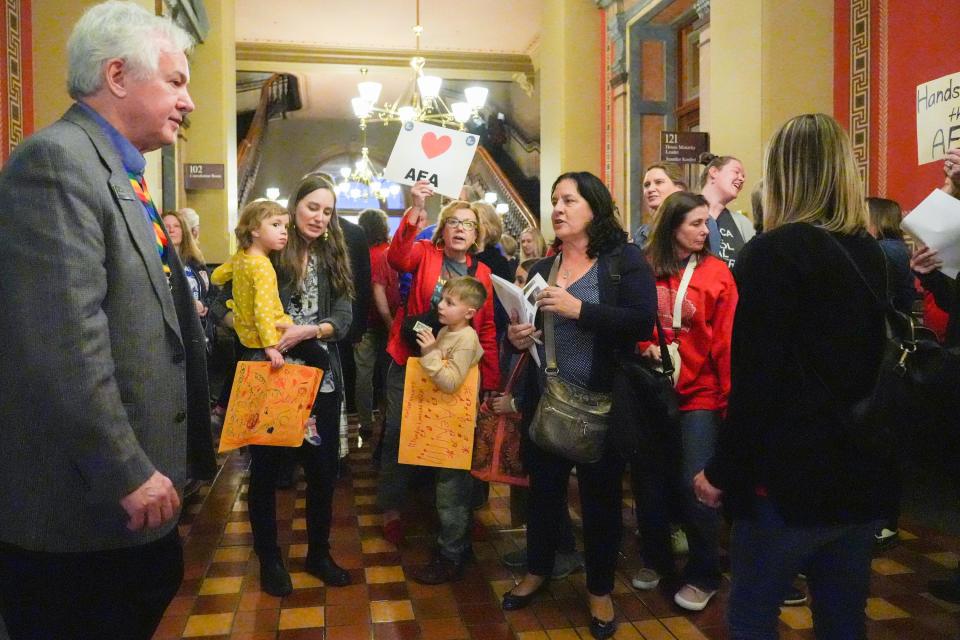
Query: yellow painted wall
212, 136
797, 60
769, 61
736, 87
570, 58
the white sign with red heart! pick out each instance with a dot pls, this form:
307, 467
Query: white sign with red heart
435, 154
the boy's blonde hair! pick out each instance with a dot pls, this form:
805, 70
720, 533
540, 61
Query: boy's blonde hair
467, 290
250, 218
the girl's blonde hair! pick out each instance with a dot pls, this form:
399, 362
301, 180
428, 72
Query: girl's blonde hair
330, 249
537, 240
492, 227
448, 211
250, 218
188, 249
810, 176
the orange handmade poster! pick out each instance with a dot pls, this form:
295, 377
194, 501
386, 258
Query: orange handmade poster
436, 429
269, 406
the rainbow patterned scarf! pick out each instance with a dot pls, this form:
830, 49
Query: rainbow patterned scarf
139, 185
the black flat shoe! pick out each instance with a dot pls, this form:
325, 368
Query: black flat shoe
274, 578
602, 630
512, 601
327, 570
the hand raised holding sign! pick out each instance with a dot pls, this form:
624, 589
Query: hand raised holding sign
420, 191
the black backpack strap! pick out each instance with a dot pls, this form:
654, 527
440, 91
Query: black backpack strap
616, 258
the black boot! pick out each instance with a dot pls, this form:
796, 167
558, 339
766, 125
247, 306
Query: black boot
274, 578
327, 570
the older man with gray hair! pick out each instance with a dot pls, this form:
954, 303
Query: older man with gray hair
193, 221
104, 408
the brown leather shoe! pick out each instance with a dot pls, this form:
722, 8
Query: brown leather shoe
440, 571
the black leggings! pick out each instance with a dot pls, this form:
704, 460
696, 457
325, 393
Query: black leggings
320, 464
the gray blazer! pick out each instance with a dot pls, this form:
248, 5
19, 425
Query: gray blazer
103, 373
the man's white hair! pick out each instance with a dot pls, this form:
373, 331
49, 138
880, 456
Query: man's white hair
118, 29
192, 217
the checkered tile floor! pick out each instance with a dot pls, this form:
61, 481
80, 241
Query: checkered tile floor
221, 598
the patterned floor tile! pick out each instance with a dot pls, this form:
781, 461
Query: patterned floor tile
220, 595
391, 610
213, 624
301, 618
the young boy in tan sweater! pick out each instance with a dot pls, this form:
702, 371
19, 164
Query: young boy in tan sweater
448, 358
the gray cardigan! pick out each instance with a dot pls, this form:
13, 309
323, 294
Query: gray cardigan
338, 311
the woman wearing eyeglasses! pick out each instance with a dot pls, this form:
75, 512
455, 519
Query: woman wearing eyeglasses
458, 234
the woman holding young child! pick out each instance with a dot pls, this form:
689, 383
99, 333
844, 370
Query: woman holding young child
313, 277
595, 315
459, 232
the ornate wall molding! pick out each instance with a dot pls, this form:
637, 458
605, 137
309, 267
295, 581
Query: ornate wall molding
860, 86
507, 63
883, 96
17, 118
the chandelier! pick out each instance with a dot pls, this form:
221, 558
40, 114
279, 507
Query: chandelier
421, 101
364, 181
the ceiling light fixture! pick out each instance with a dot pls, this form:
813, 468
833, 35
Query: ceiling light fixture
421, 102
363, 181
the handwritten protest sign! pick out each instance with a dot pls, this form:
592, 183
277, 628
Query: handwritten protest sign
938, 117
436, 154
269, 406
436, 429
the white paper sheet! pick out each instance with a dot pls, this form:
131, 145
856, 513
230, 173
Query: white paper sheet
513, 300
936, 223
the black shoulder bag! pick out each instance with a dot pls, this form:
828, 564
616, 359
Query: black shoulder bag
917, 383
645, 413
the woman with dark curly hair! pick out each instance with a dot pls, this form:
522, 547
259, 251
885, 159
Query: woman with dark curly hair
594, 316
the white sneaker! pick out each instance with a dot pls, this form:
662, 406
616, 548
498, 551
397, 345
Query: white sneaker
645, 579
693, 598
678, 541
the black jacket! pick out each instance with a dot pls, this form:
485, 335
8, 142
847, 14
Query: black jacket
359, 254
807, 334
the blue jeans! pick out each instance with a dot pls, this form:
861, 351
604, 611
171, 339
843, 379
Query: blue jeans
698, 431
454, 486
766, 554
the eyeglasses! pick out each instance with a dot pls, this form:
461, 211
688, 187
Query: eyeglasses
469, 225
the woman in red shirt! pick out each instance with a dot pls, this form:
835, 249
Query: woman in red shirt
700, 285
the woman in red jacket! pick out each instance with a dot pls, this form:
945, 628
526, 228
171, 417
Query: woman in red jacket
691, 279
459, 233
